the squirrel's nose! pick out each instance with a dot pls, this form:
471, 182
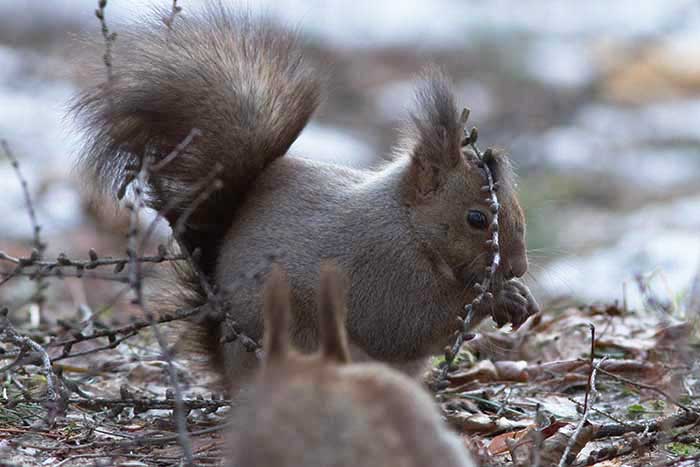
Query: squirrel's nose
515, 268
519, 267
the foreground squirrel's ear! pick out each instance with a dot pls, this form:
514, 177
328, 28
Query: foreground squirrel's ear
276, 312
435, 133
334, 345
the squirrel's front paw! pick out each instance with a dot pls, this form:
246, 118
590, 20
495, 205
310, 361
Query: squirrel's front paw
513, 304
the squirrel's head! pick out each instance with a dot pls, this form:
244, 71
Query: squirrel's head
449, 209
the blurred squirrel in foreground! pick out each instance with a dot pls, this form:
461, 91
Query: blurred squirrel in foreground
321, 410
409, 234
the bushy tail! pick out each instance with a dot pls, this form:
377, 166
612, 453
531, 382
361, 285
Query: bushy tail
241, 83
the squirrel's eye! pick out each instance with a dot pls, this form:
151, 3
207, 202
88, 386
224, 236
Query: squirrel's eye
477, 219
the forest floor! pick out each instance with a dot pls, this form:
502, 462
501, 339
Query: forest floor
517, 398
605, 140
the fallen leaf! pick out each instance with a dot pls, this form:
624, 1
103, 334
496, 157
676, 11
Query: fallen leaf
499, 444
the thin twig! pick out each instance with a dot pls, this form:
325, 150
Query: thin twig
24, 343
674, 421
135, 279
693, 301
60, 274
179, 149
170, 18
94, 262
160, 440
39, 245
109, 39
590, 374
128, 329
588, 401
149, 404
649, 387
125, 331
484, 287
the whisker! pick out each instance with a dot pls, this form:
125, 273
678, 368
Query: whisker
552, 250
472, 277
554, 276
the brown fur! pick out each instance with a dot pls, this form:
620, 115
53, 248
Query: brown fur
399, 232
319, 410
235, 79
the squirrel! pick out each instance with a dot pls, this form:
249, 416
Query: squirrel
322, 410
410, 234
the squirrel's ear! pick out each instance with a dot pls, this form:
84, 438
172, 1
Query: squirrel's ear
276, 312
334, 345
434, 134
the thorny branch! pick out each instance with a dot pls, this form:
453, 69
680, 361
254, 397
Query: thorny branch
170, 18
39, 245
588, 402
693, 307
135, 275
109, 39
151, 404
60, 274
680, 419
591, 375
63, 261
36, 267
25, 344
649, 387
118, 335
179, 149
135, 281
490, 189
160, 440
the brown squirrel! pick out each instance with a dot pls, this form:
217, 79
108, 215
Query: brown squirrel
410, 234
321, 410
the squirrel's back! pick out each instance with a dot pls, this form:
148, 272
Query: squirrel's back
237, 88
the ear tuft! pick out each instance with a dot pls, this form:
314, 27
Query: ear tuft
433, 134
332, 313
276, 312
437, 129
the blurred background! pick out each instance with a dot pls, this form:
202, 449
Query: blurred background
598, 103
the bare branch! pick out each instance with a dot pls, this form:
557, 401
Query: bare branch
484, 287
39, 246
109, 39
588, 402
135, 281
10, 334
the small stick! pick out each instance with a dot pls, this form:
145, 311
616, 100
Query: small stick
24, 343
93, 263
590, 393
492, 246
126, 332
60, 274
693, 303
159, 440
180, 148
659, 391
147, 404
674, 421
109, 39
590, 374
135, 280
170, 19
39, 246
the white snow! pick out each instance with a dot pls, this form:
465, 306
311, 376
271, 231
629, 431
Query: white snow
663, 238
